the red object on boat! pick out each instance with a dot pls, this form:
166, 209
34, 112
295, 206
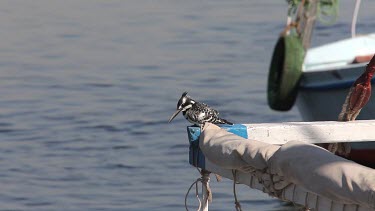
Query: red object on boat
362, 59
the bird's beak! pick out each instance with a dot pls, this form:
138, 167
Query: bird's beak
174, 115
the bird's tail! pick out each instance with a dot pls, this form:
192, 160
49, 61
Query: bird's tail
223, 121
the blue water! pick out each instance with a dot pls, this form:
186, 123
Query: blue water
87, 87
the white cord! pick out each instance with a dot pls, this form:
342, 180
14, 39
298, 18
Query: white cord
355, 15
236, 202
196, 194
205, 180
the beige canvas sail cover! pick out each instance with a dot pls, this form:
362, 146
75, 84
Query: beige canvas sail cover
294, 163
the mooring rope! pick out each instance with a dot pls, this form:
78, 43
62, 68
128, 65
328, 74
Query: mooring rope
236, 202
205, 180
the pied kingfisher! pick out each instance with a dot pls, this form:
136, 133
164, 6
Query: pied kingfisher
196, 112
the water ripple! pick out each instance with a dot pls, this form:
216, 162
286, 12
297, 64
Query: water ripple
123, 147
99, 85
108, 128
122, 166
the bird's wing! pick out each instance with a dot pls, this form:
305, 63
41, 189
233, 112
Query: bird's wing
206, 112
211, 110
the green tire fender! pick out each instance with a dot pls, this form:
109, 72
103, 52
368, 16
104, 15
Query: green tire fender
285, 73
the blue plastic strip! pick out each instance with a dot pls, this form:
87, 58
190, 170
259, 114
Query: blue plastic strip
196, 157
240, 130
336, 85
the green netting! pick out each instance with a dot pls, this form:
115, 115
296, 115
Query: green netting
327, 9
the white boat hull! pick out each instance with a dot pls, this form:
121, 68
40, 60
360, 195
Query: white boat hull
329, 71
323, 101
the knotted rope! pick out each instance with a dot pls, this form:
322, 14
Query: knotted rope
205, 180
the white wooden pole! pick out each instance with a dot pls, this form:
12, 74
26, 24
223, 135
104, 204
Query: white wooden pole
206, 191
205, 199
313, 132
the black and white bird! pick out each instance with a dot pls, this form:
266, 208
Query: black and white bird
196, 112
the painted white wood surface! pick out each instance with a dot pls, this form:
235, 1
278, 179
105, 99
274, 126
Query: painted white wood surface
313, 132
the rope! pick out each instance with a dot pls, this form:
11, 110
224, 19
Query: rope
206, 184
355, 15
204, 179
236, 202
293, 9
196, 194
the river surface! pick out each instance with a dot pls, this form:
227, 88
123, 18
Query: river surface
87, 87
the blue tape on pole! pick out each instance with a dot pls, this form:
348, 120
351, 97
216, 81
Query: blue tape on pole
196, 157
240, 130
